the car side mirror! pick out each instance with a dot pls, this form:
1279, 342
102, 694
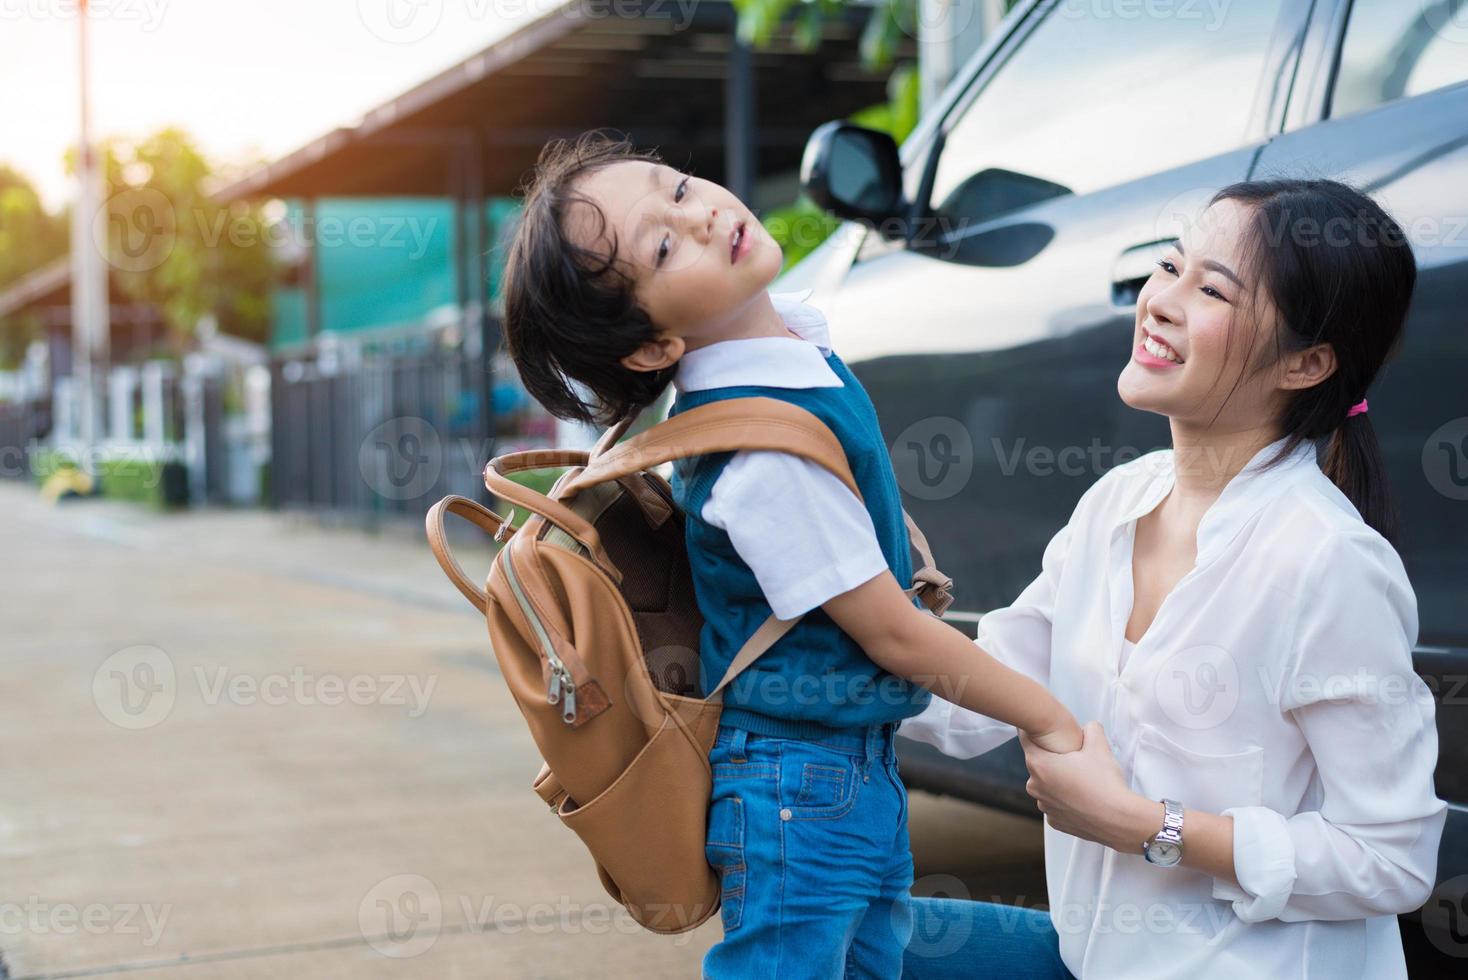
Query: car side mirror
855, 173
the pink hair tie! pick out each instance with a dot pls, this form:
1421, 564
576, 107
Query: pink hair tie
1357, 409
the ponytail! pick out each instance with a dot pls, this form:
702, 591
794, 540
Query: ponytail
1354, 463
1340, 272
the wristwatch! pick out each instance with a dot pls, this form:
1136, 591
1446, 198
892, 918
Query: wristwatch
1166, 849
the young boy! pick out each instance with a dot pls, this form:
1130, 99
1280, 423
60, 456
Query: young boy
624, 275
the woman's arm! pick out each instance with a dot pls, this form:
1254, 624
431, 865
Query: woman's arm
1370, 846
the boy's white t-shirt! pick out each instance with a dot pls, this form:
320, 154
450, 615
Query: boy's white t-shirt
806, 537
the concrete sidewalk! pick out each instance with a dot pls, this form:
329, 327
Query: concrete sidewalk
239, 744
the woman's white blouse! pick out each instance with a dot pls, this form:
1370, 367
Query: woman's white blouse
1275, 685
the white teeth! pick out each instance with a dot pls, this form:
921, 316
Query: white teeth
1158, 349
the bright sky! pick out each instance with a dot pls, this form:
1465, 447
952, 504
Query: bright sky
259, 78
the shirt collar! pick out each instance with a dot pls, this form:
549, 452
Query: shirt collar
770, 362
1243, 497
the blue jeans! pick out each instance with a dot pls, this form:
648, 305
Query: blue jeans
959, 938
810, 840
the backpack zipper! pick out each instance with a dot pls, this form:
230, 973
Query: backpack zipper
559, 689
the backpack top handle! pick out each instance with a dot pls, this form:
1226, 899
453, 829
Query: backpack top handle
497, 480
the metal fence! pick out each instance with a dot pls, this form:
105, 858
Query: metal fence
20, 423
381, 438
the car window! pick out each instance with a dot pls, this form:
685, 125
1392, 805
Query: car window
1099, 94
1394, 49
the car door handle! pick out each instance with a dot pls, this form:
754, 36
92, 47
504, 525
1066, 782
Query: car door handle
1132, 269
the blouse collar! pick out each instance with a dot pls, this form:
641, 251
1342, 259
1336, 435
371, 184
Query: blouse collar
1242, 498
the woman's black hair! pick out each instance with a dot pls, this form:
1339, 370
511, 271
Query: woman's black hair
1340, 271
570, 314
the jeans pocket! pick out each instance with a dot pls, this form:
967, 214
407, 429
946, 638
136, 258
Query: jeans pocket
725, 851
821, 790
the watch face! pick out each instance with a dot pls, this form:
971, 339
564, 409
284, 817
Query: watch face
1164, 853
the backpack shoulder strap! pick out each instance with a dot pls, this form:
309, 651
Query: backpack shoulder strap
755, 422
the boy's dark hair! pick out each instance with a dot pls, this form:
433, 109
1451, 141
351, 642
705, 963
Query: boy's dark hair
569, 311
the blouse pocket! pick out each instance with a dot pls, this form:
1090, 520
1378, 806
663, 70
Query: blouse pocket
1163, 769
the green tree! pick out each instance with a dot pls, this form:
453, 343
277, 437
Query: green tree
171, 245
30, 236
801, 226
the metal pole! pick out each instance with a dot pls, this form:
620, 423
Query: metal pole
739, 123
90, 326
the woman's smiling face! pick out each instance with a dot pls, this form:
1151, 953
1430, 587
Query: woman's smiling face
694, 252
1201, 328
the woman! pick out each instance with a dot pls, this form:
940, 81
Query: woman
1236, 628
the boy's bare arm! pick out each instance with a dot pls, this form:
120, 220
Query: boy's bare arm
909, 642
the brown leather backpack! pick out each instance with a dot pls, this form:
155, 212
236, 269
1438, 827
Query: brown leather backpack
593, 621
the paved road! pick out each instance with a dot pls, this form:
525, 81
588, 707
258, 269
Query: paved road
239, 744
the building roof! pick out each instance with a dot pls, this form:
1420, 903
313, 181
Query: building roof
47, 285
653, 68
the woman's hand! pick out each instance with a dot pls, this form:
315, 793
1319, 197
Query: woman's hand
1085, 793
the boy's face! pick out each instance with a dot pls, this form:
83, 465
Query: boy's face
675, 237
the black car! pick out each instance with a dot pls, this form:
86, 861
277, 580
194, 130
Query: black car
984, 288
